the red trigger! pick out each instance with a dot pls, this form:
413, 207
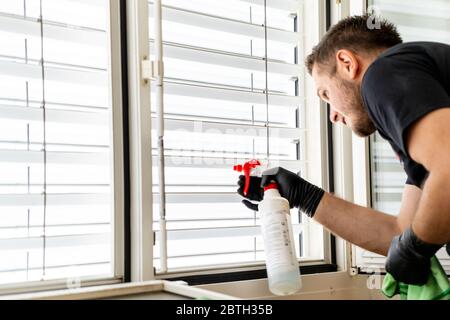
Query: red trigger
246, 169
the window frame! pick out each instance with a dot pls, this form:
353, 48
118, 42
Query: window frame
317, 167
141, 239
133, 236
118, 173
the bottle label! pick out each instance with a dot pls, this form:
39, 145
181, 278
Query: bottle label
277, 243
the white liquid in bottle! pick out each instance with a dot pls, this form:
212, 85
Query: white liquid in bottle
281, 261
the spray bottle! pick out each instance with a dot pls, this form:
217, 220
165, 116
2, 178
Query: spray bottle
281, 262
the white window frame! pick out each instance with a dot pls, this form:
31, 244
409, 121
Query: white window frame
141, 181
142, 235
313, 28
117, 216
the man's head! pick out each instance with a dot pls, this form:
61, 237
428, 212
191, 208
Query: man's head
338, 64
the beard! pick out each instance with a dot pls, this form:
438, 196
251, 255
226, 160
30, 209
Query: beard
361, 124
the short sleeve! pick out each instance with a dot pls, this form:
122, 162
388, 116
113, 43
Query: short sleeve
399, 91
410, 181
417, 174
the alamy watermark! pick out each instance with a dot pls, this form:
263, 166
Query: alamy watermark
375, 279
211, 146
374, 20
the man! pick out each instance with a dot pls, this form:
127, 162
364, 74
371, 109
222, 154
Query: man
373, 81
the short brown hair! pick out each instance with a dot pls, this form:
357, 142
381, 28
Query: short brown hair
354, 33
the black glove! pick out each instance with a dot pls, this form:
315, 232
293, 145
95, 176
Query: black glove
255, 192
300, 193
409, 257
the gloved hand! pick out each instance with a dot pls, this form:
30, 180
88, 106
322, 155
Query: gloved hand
255, 192
300, 193
409, 257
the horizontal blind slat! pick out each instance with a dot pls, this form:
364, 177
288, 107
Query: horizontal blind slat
228, 59
55, 241
199, 198
53, 115
434, 9
219, 162
29, 71
228, 232
226, 25
34, 144
226, 128
289, 5
54, 199
229, 95
23, 156
60, 266
31, 27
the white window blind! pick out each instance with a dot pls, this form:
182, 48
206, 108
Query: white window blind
56, 170
416, 21
216, 116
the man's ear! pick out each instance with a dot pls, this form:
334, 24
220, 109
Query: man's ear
347, 64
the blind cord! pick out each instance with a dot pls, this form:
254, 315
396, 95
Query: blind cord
267, 79
44, 118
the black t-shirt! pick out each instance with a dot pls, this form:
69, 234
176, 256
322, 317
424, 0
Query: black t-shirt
402, 85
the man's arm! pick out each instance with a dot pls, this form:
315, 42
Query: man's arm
410, 203
365, 227
428, 143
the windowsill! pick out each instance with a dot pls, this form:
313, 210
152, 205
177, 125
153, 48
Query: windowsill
324, 286
149, 290
56, 285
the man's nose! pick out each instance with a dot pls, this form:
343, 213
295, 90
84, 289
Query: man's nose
334, 116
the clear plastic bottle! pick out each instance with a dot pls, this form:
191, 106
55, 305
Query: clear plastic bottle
282, 266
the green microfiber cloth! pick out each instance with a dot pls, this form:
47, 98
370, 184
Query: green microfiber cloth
436, 288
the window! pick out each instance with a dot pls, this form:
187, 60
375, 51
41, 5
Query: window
416, 21
216, 115
234, 90
57, 173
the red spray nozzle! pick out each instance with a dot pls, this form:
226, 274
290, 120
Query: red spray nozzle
272, 185
246, 168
